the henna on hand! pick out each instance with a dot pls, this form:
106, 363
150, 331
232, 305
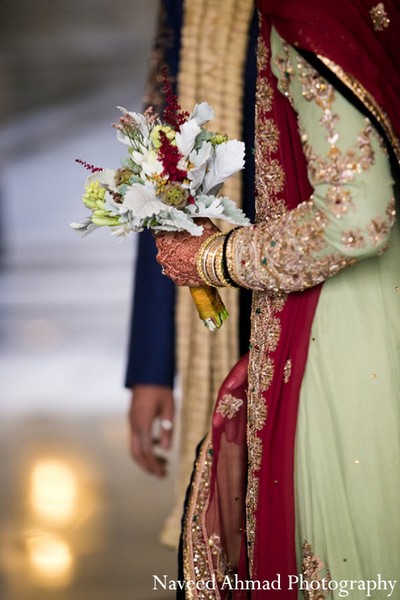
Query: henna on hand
177, 254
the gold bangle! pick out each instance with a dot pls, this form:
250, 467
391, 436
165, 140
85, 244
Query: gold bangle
202, 259
230, 259
219, 266
211, 262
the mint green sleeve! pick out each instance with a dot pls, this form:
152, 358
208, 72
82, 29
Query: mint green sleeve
351, 211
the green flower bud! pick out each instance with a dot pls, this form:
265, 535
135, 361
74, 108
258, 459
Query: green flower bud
175, 195
88, 202
218, 138
94, 192
99, 212
101, 221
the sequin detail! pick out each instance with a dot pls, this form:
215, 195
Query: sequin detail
311, 567
203, 554
286, 71
287, 370
339, 168
229, 406
339, 201
380, 19
378, 230
367, 100
353, 239
288, 255
222, 566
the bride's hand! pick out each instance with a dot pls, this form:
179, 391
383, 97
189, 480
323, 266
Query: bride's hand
177, 254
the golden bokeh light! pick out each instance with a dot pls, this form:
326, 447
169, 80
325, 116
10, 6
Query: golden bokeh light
50, 557
53, 490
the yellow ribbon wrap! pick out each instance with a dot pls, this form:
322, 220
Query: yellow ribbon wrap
210, 307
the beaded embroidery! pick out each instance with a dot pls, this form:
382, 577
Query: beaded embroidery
265, 324
294, 253
229, 406
379, 17
311, 567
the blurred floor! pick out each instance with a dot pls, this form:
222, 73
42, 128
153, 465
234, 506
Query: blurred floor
98, 540
78, 520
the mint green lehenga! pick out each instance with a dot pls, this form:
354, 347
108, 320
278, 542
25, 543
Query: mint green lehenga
347, 458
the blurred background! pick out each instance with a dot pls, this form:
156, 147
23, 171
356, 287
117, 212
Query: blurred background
78, 520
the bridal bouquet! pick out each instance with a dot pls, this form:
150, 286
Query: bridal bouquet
171, 175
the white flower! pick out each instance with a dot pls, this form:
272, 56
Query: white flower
142, 201
143, 207
202, 113
139, 156
217, 208
151, 165
229, 158
186, 137
200, 159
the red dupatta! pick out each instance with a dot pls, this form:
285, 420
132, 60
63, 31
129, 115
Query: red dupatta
239, 526
357, 40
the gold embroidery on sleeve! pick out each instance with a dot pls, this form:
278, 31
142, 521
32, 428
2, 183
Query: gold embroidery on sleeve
353, 239
286, 71
339, 201
288, 255
293, 253
378, 230
391, 211
314, 87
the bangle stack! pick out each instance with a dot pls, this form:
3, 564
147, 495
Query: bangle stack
229, 257
211, 261
206, 260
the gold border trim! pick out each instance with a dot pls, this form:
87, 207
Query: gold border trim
197, 559
368, 101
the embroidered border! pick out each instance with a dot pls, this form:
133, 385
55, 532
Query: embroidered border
265, 324
311, 567
197, 553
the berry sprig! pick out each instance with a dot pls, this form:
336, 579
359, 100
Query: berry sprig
87, 166
173, 113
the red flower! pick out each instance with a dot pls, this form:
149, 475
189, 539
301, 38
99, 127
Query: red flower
170, 157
